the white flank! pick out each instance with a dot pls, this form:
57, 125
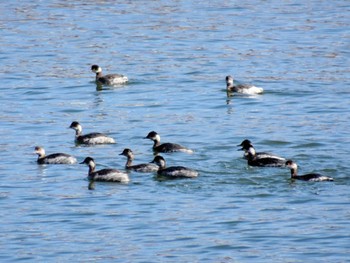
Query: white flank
252, 90
118, 81
61, 160
101, 140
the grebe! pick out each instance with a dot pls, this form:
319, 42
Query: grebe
313, 177
242, 88
142, 168
110, 79
271, 161
165, 147
91, 138
104, 175
246, 144
55, 158
173, 172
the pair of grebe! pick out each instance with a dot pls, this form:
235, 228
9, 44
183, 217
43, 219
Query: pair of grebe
264, 159
117, 79
157, 165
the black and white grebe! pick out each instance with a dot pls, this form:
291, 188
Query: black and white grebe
246, 144
313, 177
55, 158
110, 79
91, 138
104, 175
242, 88
269, 161
142, 168
173, 172
165, 147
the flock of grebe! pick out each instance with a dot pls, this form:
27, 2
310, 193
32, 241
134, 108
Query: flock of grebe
158, 165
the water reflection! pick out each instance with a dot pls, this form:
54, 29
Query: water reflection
229, 102
41, 169
91, 185
100, 87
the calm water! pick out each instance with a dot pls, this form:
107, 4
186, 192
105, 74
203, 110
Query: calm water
176, 55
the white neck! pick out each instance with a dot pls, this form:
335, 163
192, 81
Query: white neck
294, 166
157, 138
92, 166
162, 164
41, 153
78, 129
251, 151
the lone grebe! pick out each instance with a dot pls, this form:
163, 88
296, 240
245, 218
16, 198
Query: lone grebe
271, 161
242, 88
313, 177
173, 172
142, 168
91, 138
55, 158
104, 175
246, 144
110, 79
165, 147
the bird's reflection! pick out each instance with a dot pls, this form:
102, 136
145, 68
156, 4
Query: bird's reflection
91, 185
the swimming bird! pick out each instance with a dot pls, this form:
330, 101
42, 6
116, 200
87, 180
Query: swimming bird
55, 158
165, 147
173, 172
142, 168
242, 88
246, 144
91, 138
313, 177
270, 161
110, 79
104, 175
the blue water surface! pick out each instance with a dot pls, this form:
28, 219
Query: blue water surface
176, 54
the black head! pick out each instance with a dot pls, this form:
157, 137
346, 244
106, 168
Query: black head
158, 159
126, 152
289, 162
94, 67
151, 135
37, 148
246, 144
74, 124
87, 160
229, 79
